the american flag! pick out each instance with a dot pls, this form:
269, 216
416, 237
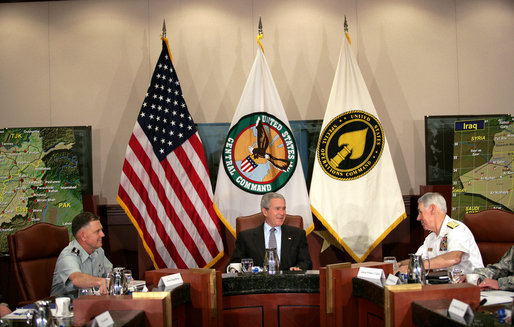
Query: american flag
165, 187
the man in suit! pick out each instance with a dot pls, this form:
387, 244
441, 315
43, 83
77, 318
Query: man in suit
291, 242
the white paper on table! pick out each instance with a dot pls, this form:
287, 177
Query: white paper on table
392, 280
103, 320
169, 282
312, 272
374, 275
461, 312
18, 314
496, 297
136, 285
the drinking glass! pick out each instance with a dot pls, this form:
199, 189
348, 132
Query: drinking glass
128, 275
107, 282
247, 265
454, 274
393, 261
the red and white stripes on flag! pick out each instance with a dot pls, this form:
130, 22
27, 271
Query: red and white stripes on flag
165, 187
248, 164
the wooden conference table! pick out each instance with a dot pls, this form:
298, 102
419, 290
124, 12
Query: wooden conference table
153, 309
393, 305
350, 301
121, 318
332, 296
284, 299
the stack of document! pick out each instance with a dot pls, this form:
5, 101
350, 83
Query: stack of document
496, 297
136, 285
19, 313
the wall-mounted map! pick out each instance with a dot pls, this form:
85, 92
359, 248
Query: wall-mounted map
483, 177
39, 178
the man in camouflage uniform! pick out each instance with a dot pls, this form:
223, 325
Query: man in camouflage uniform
498, 275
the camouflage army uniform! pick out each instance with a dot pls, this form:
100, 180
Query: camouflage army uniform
503, 271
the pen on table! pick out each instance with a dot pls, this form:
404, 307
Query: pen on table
482, 302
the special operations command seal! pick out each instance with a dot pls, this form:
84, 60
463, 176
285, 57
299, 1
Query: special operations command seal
350, 145
260, 153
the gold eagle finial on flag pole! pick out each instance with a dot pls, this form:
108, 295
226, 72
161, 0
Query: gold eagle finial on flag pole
260, 35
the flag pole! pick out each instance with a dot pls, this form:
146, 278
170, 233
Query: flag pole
260, 35
165, 39
346, 30
163, 35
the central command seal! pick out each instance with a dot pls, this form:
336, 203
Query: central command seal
350, 145
260, 154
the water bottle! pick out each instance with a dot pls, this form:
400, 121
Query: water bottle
271, 261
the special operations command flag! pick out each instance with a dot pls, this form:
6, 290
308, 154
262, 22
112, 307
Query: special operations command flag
260, 154
354, 190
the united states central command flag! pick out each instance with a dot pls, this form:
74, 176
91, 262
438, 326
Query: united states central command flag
260, 154
354, 190
165, 187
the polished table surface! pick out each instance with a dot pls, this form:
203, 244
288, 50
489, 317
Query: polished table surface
395, 303
285, 299
368, 290
179, 296
158, 306
428, 313
263, 283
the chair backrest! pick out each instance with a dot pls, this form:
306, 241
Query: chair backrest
247, 222
493, 230
34, 252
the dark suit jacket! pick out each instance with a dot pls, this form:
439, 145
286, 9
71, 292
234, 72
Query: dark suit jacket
295, 250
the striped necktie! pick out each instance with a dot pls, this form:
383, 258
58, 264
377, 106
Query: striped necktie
272, 244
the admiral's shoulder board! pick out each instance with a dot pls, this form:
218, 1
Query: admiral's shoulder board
452, 224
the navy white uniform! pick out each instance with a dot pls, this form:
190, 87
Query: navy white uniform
453, 236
